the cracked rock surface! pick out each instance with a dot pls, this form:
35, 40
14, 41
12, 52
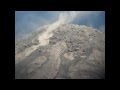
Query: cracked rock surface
73, 52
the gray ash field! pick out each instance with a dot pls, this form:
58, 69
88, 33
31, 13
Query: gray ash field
69, 52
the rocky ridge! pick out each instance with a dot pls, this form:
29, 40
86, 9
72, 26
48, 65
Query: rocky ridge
73, 52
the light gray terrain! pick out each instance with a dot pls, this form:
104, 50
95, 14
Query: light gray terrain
73, 52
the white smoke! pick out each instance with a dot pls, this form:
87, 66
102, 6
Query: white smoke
67, 16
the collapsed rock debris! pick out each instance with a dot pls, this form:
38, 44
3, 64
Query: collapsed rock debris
72, 52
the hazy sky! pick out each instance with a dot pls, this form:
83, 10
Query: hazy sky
27, 21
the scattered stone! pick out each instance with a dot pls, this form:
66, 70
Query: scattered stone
73, 52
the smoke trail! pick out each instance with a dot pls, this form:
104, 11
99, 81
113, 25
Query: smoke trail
68, 16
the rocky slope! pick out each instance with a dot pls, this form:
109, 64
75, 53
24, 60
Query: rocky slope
72, 52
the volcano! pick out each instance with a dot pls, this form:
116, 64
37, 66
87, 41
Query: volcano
69, 51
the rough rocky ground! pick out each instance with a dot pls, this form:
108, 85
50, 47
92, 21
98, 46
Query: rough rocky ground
73, 52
